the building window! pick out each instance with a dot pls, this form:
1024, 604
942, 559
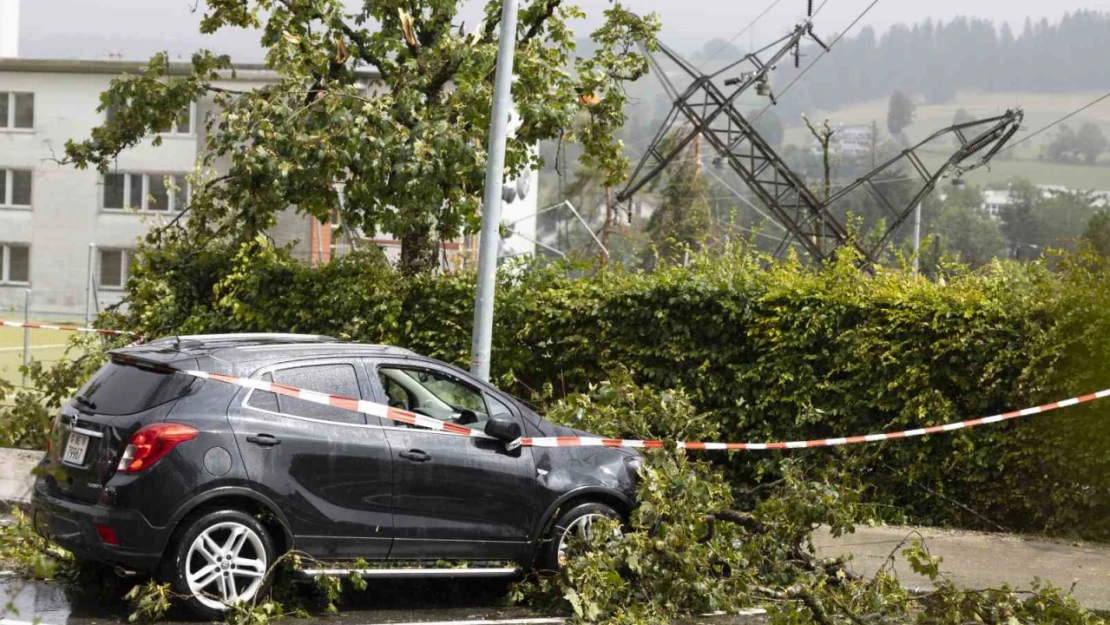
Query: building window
15, 188
15, 263
182, 126
17, 110
115, 268
158, 193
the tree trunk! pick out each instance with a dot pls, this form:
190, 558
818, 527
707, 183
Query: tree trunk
605, 230
419, 253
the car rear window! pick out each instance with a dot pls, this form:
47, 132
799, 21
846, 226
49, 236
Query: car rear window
119, 388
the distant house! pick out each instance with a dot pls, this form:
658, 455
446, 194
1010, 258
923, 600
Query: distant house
850, 140
995, 201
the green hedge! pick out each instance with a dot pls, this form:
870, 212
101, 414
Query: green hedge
771, 350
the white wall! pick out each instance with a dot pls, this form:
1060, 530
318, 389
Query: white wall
66, 214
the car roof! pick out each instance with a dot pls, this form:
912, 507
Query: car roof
256, 348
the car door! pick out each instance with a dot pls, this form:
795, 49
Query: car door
328, 469
454, 497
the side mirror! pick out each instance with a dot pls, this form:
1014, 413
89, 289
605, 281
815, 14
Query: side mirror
505, 430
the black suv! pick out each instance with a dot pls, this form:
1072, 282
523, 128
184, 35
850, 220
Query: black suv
207, 483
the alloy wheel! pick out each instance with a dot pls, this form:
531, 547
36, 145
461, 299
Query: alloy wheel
226, 564
582, 527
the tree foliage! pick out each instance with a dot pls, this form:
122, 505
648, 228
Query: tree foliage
1039, 219
698, 544
899, 113
1097, 233
27, 413
964, 229
391, 99
682, 220
770, 350
1085, 144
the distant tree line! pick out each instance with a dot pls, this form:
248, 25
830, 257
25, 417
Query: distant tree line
936, 59
1072, 146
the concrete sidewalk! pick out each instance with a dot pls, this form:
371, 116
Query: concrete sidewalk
978, 560
15, 475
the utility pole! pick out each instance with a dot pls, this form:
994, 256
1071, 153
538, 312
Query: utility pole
482, 336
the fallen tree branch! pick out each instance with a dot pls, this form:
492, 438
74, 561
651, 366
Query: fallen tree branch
797, 592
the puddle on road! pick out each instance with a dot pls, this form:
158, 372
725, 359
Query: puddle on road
58, 603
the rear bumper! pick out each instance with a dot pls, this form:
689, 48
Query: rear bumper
73, 526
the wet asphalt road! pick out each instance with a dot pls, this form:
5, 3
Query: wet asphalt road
453, 602
59, 603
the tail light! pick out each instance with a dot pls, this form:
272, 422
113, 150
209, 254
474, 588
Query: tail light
152, 443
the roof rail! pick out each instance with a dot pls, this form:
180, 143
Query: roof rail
197, 340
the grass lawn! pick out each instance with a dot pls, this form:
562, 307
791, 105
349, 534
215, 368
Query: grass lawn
46, 345
1040, 110
1085, 177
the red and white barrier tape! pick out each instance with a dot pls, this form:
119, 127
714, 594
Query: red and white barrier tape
574, 441
344, 403
404, 416
44, 326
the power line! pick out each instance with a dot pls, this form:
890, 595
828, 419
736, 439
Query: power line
741, 196
819, 56
740, 34
1062, 119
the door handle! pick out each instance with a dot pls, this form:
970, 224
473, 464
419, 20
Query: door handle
415, 455
264, 440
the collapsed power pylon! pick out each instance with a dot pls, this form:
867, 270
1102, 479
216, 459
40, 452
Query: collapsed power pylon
706, 109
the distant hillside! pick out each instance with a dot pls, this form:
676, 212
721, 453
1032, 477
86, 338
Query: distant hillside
935, 60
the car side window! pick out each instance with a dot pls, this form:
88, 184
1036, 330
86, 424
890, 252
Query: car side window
497, 408
262, 399
433, 394
332, 378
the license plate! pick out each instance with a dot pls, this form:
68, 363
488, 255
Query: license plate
76, 447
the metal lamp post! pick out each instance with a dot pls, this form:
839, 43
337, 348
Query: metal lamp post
482, 336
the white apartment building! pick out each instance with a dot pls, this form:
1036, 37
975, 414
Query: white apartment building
59, 226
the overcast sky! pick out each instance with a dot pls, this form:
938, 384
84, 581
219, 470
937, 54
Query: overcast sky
137, 28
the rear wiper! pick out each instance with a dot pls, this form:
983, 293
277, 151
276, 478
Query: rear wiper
85, 401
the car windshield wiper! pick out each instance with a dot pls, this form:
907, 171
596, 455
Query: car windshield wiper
85, 401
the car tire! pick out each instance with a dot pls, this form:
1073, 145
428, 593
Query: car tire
574, 520
221, 556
